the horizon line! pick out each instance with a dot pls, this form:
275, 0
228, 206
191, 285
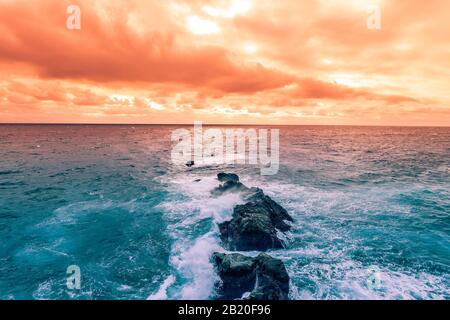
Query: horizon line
218, 124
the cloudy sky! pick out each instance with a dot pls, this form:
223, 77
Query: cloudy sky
226, 61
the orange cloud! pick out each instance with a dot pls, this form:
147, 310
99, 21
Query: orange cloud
116, 53
287, 62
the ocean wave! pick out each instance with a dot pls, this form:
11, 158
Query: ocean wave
350, 280
71, 213
161, 294
195, 239
332, 225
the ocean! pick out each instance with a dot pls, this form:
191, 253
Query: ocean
367, 202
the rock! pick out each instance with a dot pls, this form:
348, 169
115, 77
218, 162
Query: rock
190, 164
231, 184
224, 177
278, 214
260, 278
254, 225
272, 279
250, 229
237, 275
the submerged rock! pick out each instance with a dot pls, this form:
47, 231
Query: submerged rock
259, 278
190, 164
254, 225
231, 184
225, 177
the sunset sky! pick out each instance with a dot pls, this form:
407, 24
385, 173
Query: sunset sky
226, 61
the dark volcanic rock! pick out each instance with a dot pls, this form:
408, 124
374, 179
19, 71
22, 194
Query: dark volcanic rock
231, 184
224, 177
190, 164
250, 229
272, 279
260, 278
254, 225
237, 275
278, 215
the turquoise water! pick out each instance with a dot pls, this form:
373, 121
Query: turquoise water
108, 199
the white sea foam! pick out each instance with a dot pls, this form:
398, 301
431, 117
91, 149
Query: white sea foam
194, 265
394, 285
162, 292
192, 250
335, 274
349, 280
320, 256
69, 214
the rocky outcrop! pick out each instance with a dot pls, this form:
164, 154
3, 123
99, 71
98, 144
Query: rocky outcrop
250, 229
260, 278
254, 227
230, 184
190, 164
225, 177
255, 224
278, 215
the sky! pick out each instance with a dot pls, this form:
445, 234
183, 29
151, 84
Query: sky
289, 62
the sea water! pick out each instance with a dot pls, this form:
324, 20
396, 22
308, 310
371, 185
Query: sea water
367, 202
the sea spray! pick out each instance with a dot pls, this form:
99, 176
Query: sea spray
193, 222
